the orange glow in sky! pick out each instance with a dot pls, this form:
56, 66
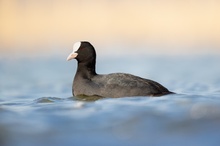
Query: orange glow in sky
30, 23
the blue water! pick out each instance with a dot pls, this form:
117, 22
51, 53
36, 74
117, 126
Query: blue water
37, 107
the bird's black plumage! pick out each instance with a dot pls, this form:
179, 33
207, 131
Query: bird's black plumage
87, 82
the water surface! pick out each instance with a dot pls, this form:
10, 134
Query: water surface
37, 107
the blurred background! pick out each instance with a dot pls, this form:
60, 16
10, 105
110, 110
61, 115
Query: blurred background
174, 42
50, 27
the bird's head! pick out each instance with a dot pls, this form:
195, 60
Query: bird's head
82, 51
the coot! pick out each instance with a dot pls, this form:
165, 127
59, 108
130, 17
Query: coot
88, 83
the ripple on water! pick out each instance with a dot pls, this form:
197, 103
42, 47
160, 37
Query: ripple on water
48, 99
34, 109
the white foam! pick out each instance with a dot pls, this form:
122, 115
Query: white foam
76, 46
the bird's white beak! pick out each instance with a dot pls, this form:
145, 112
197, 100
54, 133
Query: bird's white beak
73, 55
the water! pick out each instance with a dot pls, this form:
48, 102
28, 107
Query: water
37, 107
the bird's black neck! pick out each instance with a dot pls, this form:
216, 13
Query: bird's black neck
86, 69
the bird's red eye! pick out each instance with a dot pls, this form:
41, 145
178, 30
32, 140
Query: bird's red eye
81, 48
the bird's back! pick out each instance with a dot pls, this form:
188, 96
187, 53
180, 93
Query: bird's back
121, 85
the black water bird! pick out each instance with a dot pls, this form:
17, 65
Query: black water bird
88, 83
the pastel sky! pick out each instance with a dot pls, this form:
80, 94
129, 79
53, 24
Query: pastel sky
33, 25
